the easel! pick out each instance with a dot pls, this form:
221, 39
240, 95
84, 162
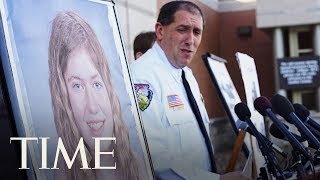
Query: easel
236, 152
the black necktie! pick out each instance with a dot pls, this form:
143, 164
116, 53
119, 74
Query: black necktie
197, 113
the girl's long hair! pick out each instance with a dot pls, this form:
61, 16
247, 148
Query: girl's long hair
71, 32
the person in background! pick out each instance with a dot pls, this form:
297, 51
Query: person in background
143, 42
174, 117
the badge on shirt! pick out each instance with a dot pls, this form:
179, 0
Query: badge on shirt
174, 101
144, 95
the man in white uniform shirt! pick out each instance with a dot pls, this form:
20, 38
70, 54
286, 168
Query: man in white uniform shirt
177, 145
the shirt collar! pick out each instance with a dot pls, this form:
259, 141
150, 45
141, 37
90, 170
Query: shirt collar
176, 73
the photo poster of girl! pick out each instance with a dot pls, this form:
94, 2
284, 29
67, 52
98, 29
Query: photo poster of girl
69, 83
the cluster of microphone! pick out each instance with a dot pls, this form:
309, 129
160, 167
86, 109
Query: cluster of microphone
302, 158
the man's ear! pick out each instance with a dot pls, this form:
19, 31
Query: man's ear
138, 54
159, 31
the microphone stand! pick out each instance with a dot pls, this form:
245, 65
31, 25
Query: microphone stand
271, 161
263, 175
268, 153
298, 166
316, 158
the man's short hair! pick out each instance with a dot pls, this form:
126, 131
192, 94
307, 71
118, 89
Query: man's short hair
143, 42
167, 11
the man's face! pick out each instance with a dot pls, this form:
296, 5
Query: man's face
180, 39
89, 98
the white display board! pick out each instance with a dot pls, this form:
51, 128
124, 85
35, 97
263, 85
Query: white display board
68, 79
252, 90
226, 90
230, 97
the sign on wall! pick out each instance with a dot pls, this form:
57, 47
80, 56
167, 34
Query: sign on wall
297, 73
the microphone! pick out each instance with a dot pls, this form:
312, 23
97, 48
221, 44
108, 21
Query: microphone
263, 106
285, 109
315, 132
244, 114
274, 131
304, 114
244, 126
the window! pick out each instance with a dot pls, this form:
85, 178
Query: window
301, 44
300, 41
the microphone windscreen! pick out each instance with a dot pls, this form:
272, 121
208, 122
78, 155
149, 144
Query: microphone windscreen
275, 131
301, 111
242, 111
281, 105
261, 104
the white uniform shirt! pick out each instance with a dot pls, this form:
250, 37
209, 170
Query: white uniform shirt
173, 134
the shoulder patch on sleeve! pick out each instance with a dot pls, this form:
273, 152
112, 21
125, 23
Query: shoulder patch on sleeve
144, 95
